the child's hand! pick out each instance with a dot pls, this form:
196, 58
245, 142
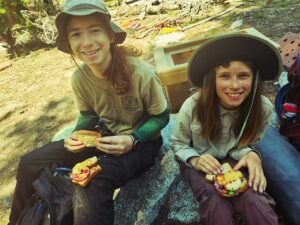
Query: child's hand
115, 145
257, 179
205, 163
72, 144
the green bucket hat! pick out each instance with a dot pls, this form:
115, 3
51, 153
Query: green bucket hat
228, 47
82, 8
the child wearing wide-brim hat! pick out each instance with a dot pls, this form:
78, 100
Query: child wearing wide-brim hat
222, 121
83, 8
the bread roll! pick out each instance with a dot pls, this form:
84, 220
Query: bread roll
87, 137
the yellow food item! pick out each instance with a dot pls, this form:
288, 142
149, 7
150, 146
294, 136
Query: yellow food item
234, 185
225, 168
210, 178
167, 30
229, 183
232, 176
83, 172
84, 165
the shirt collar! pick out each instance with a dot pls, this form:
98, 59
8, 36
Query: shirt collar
224, 111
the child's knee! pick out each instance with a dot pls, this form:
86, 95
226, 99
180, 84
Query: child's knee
256, 200
25, 164
205, 192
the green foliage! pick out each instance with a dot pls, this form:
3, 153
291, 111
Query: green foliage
227, 20
171, 12
284, 4
213, 32
260, 15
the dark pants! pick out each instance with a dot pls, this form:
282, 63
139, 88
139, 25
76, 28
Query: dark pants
281, 162
92, 205
255, 208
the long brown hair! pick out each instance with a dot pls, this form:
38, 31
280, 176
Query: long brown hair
208, 113
119, 69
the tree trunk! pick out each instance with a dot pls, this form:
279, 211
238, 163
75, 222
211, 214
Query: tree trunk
10, 22
50, 7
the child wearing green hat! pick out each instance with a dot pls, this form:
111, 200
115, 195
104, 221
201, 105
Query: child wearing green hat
221, 122
110, 84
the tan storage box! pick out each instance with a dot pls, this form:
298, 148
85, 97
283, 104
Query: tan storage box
171, 66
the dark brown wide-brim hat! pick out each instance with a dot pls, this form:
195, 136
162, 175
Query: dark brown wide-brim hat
83, 8
224, 48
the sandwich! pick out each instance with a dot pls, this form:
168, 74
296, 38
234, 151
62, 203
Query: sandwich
83, 172
228, 183
87, 137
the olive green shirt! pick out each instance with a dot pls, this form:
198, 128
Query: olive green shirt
126, 112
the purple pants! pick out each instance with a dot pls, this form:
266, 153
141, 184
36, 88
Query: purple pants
255, 208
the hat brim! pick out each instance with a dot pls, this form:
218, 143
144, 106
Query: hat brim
227, 47
61, 24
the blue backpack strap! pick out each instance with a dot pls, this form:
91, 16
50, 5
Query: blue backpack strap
280, 97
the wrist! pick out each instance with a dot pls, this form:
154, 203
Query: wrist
191, 161
136, 142
253, 156
132, 140
254, 150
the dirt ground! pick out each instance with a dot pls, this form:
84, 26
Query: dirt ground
36, 99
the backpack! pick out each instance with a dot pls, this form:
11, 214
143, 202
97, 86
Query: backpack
36, 212
287, 100
52, 200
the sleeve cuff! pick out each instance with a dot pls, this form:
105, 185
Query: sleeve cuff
239, 153
253, 149
185, 154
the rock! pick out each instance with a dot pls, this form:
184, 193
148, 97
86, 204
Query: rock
164, 39
181, 203
173, 6
153, 9
140, 200
6, 203
236, 24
